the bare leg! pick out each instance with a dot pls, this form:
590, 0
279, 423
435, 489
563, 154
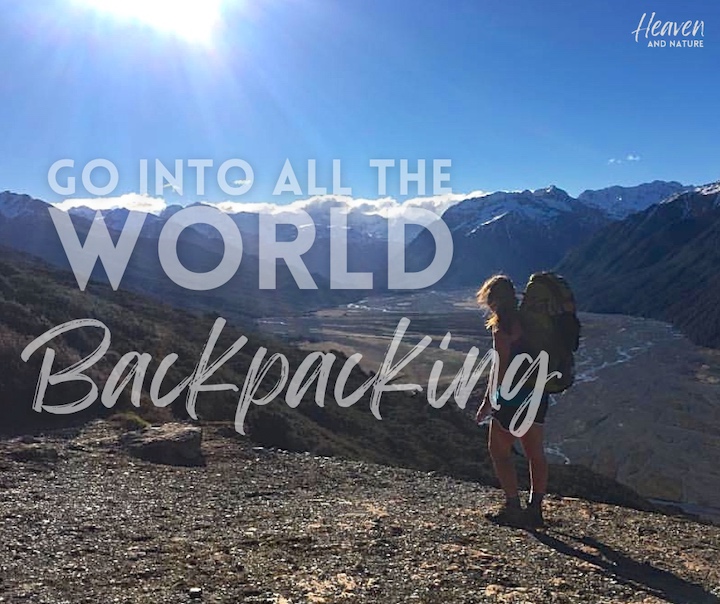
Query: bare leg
500, 446
532, 442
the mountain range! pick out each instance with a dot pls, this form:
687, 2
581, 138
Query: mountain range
513, 232
646, 250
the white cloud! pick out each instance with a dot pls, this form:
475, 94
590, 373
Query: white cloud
385, 207
131, 201
241, 182
628, 157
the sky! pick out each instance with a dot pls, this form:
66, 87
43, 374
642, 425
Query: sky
516, 94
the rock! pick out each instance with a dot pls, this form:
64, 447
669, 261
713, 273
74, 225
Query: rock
34, 452
172, 444
195, 593
29, 439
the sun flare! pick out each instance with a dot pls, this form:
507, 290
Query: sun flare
191, 20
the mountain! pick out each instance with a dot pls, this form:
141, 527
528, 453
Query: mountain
26, 226
366, 230
660, 263
201, 247
619, 202
366, 234
516, 233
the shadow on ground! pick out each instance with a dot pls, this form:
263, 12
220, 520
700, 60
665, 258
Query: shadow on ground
640, 575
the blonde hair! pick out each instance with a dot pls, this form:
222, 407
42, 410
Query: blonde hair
498, 292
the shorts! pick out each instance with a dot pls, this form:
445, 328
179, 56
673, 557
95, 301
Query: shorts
504, 415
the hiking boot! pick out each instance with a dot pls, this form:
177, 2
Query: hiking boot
508, 515
534, 517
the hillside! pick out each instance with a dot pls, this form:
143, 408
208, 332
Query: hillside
261, 526
661, 263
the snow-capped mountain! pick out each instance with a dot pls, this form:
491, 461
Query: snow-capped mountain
516, 233
541, 206
366, 228
620, 202
365, 224
711, 189
521, 232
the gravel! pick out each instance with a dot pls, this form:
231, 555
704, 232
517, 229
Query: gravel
83, 522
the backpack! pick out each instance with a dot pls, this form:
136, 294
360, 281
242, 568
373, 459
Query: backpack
549, 322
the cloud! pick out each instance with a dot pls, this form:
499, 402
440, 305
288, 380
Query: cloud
241, 182
131, 201
384, 207
628, 157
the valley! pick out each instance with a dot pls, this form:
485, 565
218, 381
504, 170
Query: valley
644, 409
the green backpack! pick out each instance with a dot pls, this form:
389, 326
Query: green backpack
549, 321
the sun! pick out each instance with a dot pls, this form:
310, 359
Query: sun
191, 20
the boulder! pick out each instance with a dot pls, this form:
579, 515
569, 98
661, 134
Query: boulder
172, 444
34, 452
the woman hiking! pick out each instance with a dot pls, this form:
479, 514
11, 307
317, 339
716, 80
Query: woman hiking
497, 295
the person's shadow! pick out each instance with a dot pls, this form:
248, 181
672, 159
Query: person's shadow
659, 583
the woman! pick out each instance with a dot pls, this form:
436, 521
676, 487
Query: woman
497, 295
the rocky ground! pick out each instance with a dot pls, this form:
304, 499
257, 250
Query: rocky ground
83, 521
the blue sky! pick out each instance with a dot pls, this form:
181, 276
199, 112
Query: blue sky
518, 94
